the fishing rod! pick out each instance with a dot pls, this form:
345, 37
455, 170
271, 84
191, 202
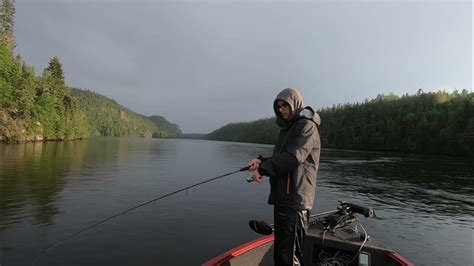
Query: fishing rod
246, 168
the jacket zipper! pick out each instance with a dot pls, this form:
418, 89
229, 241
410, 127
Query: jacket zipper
288, 184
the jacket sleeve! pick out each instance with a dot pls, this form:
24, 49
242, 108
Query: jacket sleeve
297, 147
266, 168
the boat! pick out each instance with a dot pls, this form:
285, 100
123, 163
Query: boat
333, 238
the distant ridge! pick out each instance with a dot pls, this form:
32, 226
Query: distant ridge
108, 118
263, 131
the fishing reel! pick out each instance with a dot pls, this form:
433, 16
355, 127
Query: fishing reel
250, 178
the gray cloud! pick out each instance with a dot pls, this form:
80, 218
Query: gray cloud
205, 64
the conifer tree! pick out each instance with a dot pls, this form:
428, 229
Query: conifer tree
56, 69
7, 15
25, 92
58, 86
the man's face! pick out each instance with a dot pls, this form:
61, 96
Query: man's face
285, 110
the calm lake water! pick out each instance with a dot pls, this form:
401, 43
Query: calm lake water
51, 190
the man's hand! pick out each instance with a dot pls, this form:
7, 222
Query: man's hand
254, 164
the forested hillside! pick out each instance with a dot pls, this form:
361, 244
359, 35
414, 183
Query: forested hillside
36, 108
108, 118
438, 123
170, 129
31, 107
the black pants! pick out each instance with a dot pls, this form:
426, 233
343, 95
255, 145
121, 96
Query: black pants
290, 231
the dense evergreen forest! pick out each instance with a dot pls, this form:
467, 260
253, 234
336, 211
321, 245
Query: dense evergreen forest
31, 107
433, 122
34, 108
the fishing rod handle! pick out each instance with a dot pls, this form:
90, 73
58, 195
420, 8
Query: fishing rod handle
246, 168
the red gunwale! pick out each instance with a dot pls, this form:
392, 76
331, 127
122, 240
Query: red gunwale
235, 252
400, 259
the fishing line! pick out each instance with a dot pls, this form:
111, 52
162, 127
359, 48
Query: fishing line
133, 208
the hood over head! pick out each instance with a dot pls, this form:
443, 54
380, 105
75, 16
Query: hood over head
292, 97
295, 100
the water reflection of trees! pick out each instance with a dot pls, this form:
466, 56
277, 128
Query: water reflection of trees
31, 178
32, 175
427, 183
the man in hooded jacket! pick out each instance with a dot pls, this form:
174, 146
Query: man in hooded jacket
292, 170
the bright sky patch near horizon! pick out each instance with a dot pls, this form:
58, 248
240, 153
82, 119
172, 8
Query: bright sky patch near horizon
204, 64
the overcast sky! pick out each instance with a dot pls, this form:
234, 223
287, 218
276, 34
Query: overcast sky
205, 64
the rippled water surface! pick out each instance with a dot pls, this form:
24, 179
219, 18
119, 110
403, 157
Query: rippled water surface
49, 191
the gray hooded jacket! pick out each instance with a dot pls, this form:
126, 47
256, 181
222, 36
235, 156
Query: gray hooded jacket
294, 164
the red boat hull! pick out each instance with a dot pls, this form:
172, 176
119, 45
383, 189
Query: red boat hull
242, 255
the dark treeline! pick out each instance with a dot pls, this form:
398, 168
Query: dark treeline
259, 131
36, 108
438, 123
